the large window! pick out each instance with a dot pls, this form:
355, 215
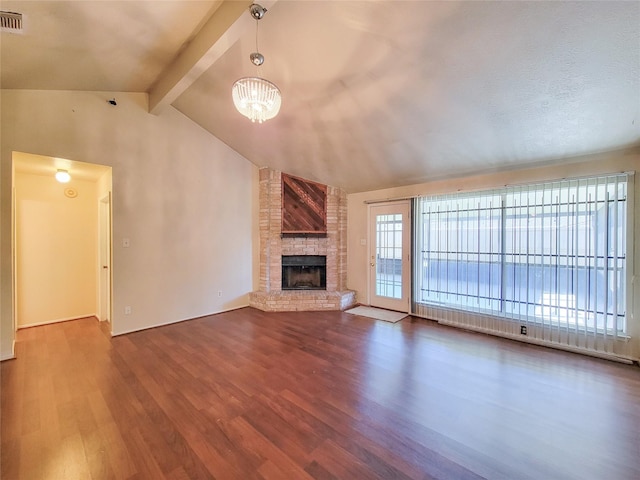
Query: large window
552, 253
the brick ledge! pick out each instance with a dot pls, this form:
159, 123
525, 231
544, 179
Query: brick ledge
307, 300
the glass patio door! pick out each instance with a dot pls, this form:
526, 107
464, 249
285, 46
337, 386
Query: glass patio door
389, 256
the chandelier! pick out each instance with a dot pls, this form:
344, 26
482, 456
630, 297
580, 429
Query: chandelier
254, 97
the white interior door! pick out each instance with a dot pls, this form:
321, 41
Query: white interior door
105, 258
389, 255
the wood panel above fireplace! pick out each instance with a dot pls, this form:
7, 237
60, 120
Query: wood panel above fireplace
304, 206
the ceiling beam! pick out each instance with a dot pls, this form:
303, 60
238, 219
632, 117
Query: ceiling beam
217, 35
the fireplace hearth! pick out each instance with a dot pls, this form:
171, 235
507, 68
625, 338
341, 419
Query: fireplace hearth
304, 272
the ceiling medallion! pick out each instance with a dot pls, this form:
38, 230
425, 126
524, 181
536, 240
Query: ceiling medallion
71, 192
254, 97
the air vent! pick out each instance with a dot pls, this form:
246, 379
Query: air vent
10, 22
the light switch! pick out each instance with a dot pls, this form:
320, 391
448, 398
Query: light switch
125, 242
363, 241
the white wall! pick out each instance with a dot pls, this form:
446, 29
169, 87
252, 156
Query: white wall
621, 161
184, 199
55, 249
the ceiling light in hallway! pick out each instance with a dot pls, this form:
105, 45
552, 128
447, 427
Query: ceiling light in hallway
63, 176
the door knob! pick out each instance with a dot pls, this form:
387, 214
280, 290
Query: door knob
373, 264
104, 266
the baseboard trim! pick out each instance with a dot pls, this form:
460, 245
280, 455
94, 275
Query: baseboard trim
59, 320
533, 341
171, 322
12, 355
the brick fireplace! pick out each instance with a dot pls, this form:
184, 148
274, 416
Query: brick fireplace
274, 245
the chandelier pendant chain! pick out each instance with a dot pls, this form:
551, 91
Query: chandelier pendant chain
257, 26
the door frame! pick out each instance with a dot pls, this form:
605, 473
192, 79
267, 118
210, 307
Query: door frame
105, 287
404, 304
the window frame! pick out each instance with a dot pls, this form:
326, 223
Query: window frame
604, 181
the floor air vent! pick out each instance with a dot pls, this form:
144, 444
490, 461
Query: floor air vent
10, 22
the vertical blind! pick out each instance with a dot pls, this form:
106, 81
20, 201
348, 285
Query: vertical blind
550, 256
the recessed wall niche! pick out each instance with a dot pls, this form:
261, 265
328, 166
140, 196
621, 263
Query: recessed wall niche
304, 207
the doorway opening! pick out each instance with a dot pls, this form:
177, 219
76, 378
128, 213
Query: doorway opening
61, 241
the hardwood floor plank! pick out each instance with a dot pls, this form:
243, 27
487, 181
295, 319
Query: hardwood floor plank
168, 445
318, 472
370, 453
30, 416
269, 471
342, 464
99, 408
178, 474
424, 460
116, 448
143, 457
67, 422
98, 457
310, 395
10, 458
32, 456
253, 441
66, 459
284, 436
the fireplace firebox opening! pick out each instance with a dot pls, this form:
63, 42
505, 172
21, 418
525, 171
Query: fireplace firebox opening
304, 272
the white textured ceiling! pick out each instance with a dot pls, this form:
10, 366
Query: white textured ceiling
96, 45
375, 93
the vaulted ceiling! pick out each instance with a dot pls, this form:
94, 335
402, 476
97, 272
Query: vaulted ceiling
375, 93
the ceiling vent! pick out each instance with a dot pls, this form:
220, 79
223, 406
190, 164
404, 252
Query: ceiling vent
11, 22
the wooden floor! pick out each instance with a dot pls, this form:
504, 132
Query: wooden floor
246, 394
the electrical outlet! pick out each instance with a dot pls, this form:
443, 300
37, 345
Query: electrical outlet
219, 293
523, 329
127, 310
